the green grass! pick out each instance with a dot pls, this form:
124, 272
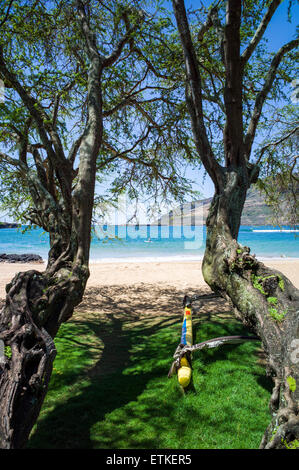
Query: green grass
109, 389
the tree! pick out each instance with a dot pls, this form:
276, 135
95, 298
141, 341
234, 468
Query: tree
226, 58
96, 89
76, 75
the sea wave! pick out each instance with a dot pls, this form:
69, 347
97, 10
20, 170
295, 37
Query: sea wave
173, 259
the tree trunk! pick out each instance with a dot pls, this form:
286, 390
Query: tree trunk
263, 299
36, 305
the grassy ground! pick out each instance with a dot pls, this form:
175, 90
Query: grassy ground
109, 388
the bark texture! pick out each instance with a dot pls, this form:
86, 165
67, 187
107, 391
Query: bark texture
36, 304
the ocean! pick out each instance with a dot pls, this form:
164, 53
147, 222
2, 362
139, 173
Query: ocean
150, 243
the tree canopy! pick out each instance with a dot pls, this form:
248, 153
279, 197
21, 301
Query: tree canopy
147, 139
44, 66
131, 92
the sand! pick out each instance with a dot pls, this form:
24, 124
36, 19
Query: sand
182, 275
148, 293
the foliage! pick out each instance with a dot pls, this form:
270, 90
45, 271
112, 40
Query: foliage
261, 85
256, 283
291, 445
272, 300
274, 312
276, 315
279, 165
70, 67
146, 135
292, 383
7, 351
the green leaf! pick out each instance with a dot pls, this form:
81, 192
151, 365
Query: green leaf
292, 383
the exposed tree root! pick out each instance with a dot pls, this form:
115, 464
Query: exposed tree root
36, 304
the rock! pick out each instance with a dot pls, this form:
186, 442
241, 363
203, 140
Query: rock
24, 258
9, 225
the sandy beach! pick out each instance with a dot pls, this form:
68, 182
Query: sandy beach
145, 293
182, 275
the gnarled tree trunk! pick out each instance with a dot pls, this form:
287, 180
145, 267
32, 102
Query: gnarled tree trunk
36, 305
263, 299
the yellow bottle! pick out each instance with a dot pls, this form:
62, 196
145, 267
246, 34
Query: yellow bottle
184, 373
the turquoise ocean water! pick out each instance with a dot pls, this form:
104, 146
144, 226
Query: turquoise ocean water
112, 243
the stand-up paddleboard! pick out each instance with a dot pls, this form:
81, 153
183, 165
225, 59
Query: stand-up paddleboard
185, 371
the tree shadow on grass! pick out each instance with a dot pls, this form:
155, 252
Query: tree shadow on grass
104, 386
127, 381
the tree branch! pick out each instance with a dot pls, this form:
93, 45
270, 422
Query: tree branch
109, 60
90, 38
295, 158
40, 168
128, 100
262, 95
74, 149
124, 156
7, 13
144, 113
150, 65
277, 142
45, 127
24, 141
57, 99
83, 194
233, 132
36, 112
194, 95
210, 21
13, 162
260, 31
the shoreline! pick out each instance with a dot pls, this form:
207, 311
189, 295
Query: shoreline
176, 259
153, 259
182, 274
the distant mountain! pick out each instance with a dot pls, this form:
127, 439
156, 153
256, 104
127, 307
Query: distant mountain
255, 212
